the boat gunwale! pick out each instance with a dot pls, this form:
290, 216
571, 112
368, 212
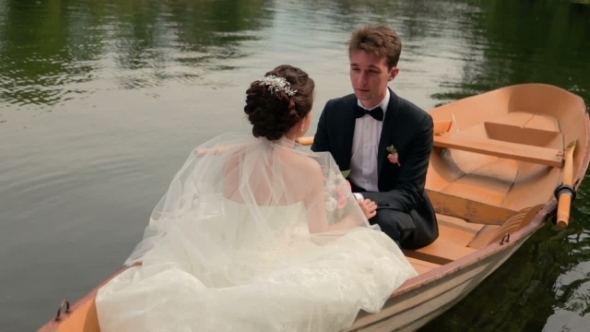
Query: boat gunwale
410, 285
420, 280
374, 318
528, 230
444, 271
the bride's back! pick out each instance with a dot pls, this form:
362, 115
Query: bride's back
269, 174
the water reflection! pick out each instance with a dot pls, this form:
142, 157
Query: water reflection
34, 57
525, 41
50, 48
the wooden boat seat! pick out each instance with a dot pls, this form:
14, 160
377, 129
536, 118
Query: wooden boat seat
468, 210
502, 149
484, 237
441, 251
494, 233
422, 266
455, 235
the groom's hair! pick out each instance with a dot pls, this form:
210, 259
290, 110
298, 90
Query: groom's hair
273, 113
379, 40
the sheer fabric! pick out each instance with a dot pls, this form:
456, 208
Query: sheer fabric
254, 235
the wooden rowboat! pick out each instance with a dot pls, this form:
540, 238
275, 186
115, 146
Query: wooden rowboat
499, 161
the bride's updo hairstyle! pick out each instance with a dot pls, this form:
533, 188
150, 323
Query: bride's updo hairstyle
277, 102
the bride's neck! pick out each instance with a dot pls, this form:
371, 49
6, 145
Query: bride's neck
291, 137
288, 141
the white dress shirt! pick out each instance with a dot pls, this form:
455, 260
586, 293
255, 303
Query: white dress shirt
363, 164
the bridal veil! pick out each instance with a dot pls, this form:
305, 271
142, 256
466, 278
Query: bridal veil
254, 235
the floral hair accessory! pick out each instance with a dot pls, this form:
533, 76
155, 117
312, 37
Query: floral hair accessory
393, 157
276, 83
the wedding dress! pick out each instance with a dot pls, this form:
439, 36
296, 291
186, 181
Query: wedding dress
233, 246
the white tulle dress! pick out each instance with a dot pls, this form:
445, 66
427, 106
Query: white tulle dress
254, 235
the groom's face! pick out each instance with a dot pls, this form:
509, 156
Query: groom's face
369, 76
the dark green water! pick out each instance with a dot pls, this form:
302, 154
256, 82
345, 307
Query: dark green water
101, 102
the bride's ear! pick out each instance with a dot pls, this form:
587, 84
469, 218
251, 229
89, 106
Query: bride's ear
301, 125
305, 123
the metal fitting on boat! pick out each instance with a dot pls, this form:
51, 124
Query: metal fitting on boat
67, 304
564, 188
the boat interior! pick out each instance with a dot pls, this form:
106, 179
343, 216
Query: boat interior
496, 161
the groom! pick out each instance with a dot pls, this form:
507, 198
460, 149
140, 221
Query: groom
383, 140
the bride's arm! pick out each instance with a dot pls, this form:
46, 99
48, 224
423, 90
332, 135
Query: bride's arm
316, 207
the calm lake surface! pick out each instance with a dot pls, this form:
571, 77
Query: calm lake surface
101, 102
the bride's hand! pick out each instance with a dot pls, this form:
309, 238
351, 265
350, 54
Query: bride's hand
369, 208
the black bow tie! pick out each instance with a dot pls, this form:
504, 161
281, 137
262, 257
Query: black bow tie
376, 113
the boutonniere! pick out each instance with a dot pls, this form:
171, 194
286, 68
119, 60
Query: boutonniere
393, 157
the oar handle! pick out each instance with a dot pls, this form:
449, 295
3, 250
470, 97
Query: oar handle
565, 193
307, 140
563, 210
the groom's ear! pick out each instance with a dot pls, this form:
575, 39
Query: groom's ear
393, 73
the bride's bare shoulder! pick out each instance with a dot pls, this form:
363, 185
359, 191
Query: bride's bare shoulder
306, 164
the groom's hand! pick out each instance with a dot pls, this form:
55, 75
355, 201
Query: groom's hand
369, 208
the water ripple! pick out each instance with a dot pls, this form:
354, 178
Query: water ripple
99, 101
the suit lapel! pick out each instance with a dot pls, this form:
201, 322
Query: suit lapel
388, 130
348, 124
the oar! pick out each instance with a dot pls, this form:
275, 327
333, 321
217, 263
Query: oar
307, 140
565, 193
440, 127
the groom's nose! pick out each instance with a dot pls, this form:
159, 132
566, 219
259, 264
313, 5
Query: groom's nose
361, 78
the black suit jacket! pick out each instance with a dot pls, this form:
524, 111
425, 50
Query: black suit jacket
410, 130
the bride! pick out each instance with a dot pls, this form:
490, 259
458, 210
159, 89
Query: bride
257, 233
